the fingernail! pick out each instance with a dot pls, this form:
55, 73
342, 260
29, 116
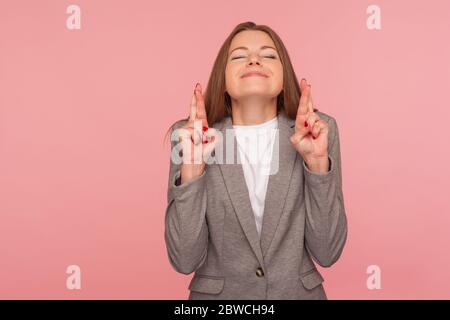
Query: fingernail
306, 124
205, 141
192, 140
205, 129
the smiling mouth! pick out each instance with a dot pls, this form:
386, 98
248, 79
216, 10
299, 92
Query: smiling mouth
254, 74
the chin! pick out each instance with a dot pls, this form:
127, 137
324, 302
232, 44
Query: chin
249, 90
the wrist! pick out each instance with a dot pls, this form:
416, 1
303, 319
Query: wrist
187, 174
318, 164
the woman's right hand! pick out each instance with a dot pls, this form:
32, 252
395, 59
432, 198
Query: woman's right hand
198, 140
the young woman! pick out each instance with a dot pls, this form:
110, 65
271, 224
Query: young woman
245, 233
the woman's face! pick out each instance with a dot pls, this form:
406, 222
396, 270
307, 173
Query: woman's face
253, 50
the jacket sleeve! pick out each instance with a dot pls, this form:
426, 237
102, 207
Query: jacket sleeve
326, 221
186, 230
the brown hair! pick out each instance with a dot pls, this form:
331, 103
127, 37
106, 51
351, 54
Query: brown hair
218, 101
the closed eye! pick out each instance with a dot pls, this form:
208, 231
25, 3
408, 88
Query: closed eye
271, 57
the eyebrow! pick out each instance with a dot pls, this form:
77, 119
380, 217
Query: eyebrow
245, 48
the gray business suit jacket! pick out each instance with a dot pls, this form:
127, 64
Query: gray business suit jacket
210, 227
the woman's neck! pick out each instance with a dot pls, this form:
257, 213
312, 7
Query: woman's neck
253, 111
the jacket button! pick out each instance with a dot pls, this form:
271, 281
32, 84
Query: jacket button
260, 272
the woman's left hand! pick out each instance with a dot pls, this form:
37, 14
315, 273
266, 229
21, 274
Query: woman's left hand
311, 133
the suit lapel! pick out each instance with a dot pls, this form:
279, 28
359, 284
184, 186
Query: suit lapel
234, 178
283, 156
278, 185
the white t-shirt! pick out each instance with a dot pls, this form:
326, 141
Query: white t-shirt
255, 144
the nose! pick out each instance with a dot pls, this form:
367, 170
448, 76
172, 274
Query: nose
254, 60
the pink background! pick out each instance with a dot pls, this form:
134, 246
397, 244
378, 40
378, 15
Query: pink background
83, 170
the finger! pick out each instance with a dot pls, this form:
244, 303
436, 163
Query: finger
302, 108
302, 128
310, 101
195, 128
311, 118
197, 124
193, 109
184, 136
303, 103
303, 83
211, 135
301, 124
192, 132
308, 124
316, 129
201, 110
214, 139
300, 120
297, 137
197, 136
321, 127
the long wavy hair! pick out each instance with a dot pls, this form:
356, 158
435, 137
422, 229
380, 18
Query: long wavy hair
218, 101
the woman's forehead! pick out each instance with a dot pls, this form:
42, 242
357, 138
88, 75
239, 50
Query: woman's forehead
252, 38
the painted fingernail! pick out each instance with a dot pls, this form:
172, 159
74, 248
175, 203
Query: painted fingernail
205, 129
306, 124
192, 140
205, 141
